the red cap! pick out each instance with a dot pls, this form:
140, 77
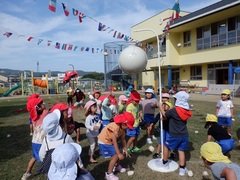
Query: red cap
34, 95
126, 117
60, 106
112, 100
101, 98
135, 96
31, 107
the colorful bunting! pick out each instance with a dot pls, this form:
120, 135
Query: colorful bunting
70, 47
101, 26
176, 8
64, 46
49, 43
52, 5
81, 16
66, 12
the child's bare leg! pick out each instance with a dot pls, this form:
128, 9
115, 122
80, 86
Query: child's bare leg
112, 163
135, 141
77, 135
30, 165
229, 129
130, 141
149, 129
165, 153
181, 158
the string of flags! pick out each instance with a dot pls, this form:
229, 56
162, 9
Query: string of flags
64, 46
101, 27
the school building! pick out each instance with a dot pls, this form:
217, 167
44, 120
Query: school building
200, 49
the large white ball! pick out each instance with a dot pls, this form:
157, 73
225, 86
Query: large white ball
133, 60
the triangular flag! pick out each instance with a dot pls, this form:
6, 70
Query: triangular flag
81, 16
7, 34
75, 12
101, 26
66, 12
30, 38
39, 41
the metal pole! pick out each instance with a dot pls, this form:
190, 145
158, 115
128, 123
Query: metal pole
159, 78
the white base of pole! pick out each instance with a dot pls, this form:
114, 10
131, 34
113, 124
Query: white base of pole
173, 166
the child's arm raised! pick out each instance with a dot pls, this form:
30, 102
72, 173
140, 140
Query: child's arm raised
115, 144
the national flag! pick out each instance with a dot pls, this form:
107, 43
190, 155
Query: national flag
82, 48
70, 47
66, 12
75, 47
114, 34
101, 26
87, 49
81, 16
49, 43
75, 12
176, 8
57, 45
30, 38
97, 50
7, 34
172, 18
92, 50
167, 27
126, 38
64, 46
52, 5
39, 41
119, 35
115, 51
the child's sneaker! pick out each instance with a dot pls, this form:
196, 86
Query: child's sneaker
26, 176
129, 151
149, 141
156, 155
119, 168
110, 176
154, 137
136, 150
159, 163
183, 171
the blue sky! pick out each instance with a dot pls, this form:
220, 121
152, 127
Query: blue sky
33, 18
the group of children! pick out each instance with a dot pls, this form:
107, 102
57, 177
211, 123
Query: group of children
106, 124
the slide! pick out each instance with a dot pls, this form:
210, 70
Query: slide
12, 89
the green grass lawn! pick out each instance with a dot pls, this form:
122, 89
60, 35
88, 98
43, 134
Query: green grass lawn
15, 151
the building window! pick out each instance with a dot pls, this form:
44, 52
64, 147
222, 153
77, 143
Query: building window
196, 72
187, 38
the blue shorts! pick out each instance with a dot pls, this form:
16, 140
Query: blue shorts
107, 150
174, 143
225, 121
133, 133
35, 151
148, 118
165, 135
226, 145
30, 121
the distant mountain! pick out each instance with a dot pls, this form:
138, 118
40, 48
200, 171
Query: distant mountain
11, 72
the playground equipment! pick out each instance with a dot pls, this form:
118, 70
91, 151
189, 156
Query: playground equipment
40, 83
12, 89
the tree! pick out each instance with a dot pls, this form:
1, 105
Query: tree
94, 75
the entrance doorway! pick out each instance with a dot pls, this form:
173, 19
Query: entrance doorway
221, 76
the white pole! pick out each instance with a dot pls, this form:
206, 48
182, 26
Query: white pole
234, 84
159, 79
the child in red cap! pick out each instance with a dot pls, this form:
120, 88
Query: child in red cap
134, 109
37, 111
107, 141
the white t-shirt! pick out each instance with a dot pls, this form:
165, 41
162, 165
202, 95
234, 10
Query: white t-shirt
224, 108
90, 122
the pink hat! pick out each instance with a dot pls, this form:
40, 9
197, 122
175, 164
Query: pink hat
89, 104
122, 98
165, 95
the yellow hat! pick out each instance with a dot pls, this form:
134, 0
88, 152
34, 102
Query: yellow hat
211, 118
169, 104
226, 91
212, 152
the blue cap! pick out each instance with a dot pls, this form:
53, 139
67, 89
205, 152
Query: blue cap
130, 87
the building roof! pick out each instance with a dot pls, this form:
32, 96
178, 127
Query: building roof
219, 6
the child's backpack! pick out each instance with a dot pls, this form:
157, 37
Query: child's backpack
47, 160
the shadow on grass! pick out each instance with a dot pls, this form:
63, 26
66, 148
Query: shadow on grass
14, 142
